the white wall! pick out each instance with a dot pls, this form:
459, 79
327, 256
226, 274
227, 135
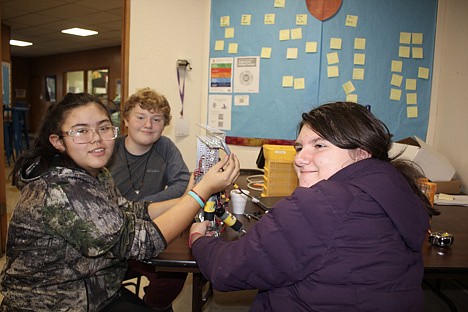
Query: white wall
163, 31
450, 129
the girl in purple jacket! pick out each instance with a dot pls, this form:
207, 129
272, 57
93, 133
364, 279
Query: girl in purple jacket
349, 238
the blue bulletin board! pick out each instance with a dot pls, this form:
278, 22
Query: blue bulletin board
375, 52
6, 79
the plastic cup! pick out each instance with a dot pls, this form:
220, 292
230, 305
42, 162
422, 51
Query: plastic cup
238, 201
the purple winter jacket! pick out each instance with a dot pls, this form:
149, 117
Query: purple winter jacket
349, 243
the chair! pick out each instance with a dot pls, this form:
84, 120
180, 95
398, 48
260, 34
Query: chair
20, 128
8, 134
129, 276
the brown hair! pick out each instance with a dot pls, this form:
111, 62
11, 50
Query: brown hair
349, 125
42, 149
150, 100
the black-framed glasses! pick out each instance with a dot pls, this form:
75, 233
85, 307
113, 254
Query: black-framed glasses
86, 135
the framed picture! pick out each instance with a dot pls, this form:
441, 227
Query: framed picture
50, 88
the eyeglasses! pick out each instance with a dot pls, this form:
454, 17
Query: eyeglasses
86, 135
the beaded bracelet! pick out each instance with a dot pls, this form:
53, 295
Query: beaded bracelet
197, 198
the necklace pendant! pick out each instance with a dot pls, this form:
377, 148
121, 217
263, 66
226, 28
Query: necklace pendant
137, 192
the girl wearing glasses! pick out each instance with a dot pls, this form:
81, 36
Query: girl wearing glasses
71, 231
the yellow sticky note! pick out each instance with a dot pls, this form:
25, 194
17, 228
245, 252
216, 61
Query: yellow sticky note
333, 71
229, 32
246, 19
284, 34
359, 59
352, 97
301, 19
351, 20
397, 66
411, 98
333, 58
359, 43
266, 52
288, 81
335, 43
417, 38
412, 112
348, 87
417, 52
224, 21
232, 48
269, 19
405, 37
299, 83
410, 84
219, 45
395, 94
358, 73
296, 33
396, 80
404, 52
311, 47
423, 73
280, 3
291, 53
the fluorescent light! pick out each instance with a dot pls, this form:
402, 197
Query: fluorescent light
20, 43
79, 32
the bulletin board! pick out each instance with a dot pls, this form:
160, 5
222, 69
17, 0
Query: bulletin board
6, 80
271, 60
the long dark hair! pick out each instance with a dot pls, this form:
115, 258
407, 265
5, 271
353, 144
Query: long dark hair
42, 151
349, 125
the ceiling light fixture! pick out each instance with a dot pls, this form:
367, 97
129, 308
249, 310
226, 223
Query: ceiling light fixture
79, 32
20, 43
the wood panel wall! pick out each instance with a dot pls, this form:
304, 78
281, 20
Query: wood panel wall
31, 74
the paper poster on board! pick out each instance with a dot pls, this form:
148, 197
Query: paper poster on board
221, 75
219, 111
247, 74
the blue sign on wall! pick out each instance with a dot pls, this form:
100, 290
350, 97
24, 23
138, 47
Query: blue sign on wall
6, 78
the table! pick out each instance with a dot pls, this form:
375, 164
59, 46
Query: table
439, 262
451, 262
177, 257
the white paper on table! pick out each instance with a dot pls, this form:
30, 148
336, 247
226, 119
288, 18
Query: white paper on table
451, 200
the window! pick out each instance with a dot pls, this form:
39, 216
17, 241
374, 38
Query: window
75, 82
94, 81
98, 81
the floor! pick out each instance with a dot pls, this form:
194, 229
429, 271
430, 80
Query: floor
240, 301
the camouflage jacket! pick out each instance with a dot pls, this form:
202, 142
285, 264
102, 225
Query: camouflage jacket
68, 241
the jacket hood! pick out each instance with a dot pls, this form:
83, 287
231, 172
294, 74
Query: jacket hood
39, 168
392, 182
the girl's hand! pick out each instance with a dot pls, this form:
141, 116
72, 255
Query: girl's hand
219, 177
198, 230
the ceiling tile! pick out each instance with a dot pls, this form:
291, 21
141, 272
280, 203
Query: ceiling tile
40, 22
